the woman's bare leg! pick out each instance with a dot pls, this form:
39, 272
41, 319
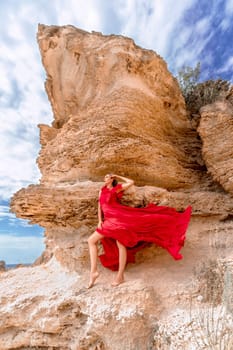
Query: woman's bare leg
122, 262
92, 244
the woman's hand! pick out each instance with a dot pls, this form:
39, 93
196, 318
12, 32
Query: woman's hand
127, 182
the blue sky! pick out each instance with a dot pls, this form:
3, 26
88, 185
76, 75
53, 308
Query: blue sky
183, 32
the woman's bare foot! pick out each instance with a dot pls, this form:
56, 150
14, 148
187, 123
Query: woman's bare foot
93, 277
117, 281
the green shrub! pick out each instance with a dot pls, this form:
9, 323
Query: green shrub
206, 93
197, 94
188, 78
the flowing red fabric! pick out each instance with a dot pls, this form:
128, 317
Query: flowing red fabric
136, 227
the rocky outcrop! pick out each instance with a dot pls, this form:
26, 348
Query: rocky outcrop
2, 266
216, 130
61, 314
48, 306
69, 213
117, 109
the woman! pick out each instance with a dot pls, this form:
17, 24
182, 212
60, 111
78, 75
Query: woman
124, 230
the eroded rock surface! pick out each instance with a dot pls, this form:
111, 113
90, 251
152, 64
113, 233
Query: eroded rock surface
116, 106
216, 131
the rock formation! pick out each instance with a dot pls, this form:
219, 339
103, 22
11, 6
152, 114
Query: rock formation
118, 109
217, 119
104, 92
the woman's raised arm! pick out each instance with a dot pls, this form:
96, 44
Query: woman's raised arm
127, 182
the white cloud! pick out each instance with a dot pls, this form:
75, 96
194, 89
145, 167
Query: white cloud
15, 249
74, 13
225, 23
229, 7
9, 220
19, 147
203, 26
4, 212
228, 13
24, 103
228, 66
188, 56
152, 23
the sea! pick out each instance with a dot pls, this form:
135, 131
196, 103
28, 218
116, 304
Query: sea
12, 266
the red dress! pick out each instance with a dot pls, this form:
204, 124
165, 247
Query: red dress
136, 227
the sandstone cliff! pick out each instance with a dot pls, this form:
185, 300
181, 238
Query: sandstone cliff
118, 109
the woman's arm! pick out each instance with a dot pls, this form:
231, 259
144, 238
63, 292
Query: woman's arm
127, 182
100, 214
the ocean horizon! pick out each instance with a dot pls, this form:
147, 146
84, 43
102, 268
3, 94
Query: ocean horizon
12, 266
